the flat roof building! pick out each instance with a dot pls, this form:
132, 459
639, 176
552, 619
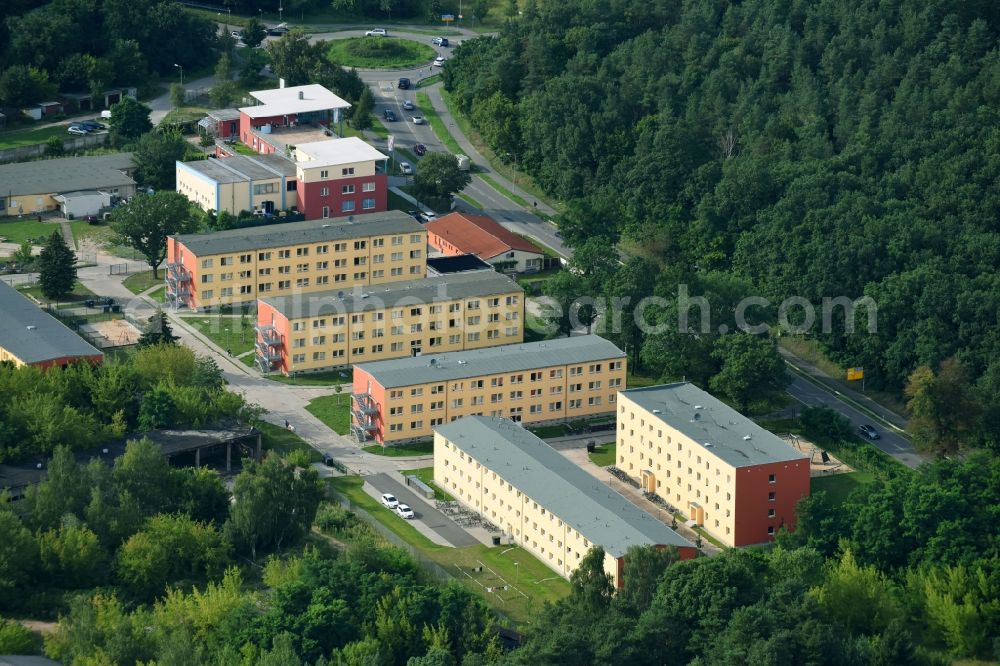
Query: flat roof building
535, 382
31, 336
332, 329
541, 499
241, 265
260, 184
31, 187
736, 479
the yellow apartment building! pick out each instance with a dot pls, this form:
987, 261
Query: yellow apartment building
536, 382
241, 265
332, 329
726, 473
540, 499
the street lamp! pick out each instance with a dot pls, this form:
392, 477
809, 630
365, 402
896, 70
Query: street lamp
182, 73
517, 572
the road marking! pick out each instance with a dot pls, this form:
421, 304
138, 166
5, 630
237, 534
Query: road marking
798, 398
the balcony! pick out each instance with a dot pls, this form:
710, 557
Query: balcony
268, 335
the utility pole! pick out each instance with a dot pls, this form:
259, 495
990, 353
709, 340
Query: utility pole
280, 9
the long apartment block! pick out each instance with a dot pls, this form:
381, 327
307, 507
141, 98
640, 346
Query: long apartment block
541, 499
331, 329
536, 382
206, 271
726, 473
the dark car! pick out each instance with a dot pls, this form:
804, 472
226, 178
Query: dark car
868, 432
91, 126
419, 149
414, 214
404, 84
328, 460
440, 41
389, 115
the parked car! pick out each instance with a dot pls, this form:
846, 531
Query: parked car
404, 83
278, 30
76, 130
328, 460
407, 105
440, 41
439, 61
419, 149
405, 511
90, 125
418, 120
376, 32
868, 432
414, 214
427, 216
234, 34
389, 501
389, 115
405, 168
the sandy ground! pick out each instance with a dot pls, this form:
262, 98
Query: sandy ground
116, 332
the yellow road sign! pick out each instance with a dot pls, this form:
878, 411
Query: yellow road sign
854, 374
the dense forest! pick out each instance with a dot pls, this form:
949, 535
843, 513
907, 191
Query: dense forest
87, 46
771, 147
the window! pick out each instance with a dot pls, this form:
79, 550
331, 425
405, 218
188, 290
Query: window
326, 211
472, 305
367, 204
348, 171
770, 497
324, 192
206, 263
770, 478
415, 238
324, 174
206, 279
770, 513
265, 188
360, 245
770, 530
368, 187
347, 189
263, 256
347, 206
246, 289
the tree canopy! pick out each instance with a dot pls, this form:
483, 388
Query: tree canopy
145, 221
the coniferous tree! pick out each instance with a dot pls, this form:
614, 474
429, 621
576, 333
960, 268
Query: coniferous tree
56, 267
158, 331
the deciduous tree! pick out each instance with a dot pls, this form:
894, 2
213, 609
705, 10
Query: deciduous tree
129, 121
145, 221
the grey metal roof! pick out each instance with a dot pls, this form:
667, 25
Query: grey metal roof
224, 114
377, 297
243, 168
299, 233
490, 360
48, 338
600, 514
711, 423
66, 174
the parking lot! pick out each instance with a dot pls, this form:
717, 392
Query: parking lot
426, 513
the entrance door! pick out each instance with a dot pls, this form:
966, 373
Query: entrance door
697, 513
648, 481
268, 207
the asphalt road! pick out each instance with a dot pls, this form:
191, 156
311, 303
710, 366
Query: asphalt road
424, 512
890, 442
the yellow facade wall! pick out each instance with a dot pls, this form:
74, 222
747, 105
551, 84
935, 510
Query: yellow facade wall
241, 277
329, 341
550, 393
529, 523
310, 174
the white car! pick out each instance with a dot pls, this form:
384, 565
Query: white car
389, 501
407, 105
418, 120
377, 32
428, 217
405, 511
78, 131
439, 61
404, 167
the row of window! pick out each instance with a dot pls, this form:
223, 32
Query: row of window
348, 189
304, 251
349, 206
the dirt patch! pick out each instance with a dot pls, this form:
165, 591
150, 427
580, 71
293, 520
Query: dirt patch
821, 461
114, 333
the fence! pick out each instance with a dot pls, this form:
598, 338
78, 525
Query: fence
125, 268
38, 150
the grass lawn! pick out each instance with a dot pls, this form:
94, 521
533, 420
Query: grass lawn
541, 276
520, 201
284, 441
839, 486
469, 200
140, 282
536, 329
79, 293
18, 231
397, 202
243, 149
429, 80
516, 566
159, 294
185, 114
379, 52
333, 410
548, 431
316, 379
101, 235
638, 381
434, 120
603, 455
426, 474
424, 448
225, 331
17, 138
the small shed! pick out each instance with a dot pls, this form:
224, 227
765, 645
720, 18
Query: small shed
83, 203
51, 108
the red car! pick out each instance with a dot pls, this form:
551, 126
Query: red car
420, 150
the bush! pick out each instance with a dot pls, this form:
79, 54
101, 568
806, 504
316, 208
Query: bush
825, 426
15, 638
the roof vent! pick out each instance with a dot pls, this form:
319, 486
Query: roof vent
697, 416
657, 411
747, 438
31, 327
302, 94
708, 444
364, 295
433, 362
462, 362
697, 406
